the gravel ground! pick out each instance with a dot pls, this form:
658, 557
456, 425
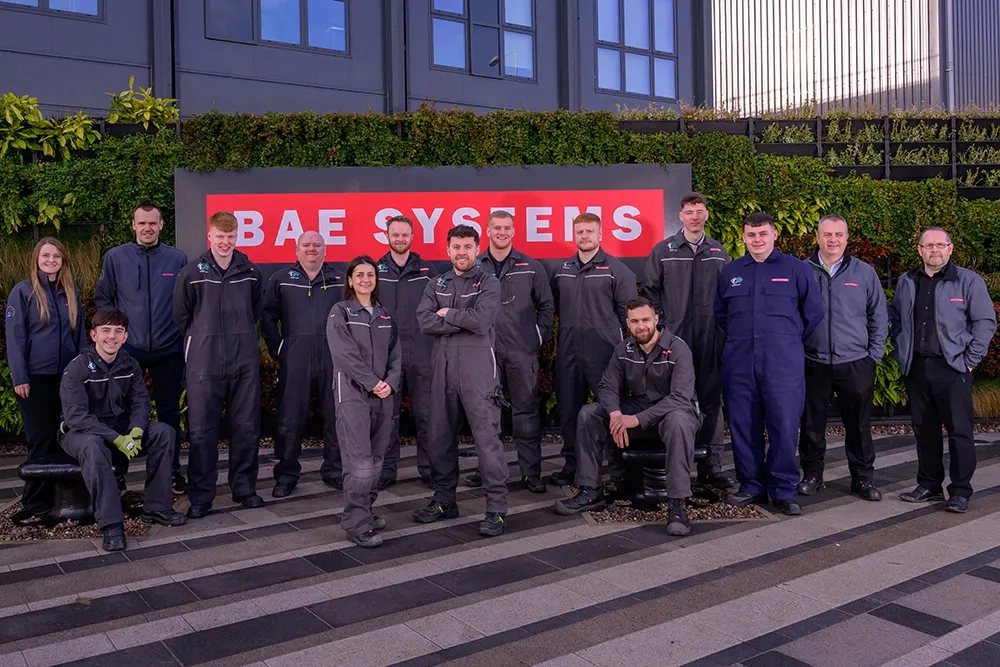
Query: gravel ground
134, 526
704, 505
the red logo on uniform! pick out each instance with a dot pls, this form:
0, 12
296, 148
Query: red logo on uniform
779, 280
167, 275
602, 267
851, 285
522, 264
715, 249
957, 300
425, 269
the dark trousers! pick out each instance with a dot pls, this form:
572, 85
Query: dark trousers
96, 464
519, 376
416, 385
239, 393
578, 373
708, 387
167, 373
295, 388
363, 424
41, 413
940, 395
854, 384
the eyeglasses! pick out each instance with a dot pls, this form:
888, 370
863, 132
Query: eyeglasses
934, 246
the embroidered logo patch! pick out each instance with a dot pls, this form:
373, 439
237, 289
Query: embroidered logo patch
203, 267
168, 275
294, 275
715, 249
602, 267
737, 281
851, 285
522, 264
672, 246
442, 282
957, 300
779, 280
10, 312
383, 267
92, 366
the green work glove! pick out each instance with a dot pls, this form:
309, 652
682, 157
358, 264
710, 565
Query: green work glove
127, 446
136, 435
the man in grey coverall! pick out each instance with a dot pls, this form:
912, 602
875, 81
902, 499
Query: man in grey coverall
647, 391
106, 410
524, 324
459, 309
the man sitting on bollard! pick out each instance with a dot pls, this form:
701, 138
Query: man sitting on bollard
106, 406
647, 391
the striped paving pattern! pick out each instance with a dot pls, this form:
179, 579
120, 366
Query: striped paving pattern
848, 583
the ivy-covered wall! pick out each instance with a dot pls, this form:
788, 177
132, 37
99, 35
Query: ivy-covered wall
104, 186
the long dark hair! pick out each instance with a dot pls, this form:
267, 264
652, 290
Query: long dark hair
355, 263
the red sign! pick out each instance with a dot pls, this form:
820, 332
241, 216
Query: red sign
354, 223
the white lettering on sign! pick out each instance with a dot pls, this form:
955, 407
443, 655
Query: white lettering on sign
466, 215
624, 217
327, 216
248, 228
535, 224
290, 227
572, 211
382, 222
428, 222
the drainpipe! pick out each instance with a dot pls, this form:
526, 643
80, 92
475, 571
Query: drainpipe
949, 55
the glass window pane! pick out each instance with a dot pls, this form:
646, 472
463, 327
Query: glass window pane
327, 24
517, 12
636, 74
449, 43
485, 11
518, 54
453, 6
663, 25
637, 23
485, 46
607, 21
665, 78
279, 21
26, 3
232, 19
88, 7
609, 73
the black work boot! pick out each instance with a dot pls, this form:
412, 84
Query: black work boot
716, 479
535, 484
368, 539
493, 524
435, 511
678, 523
866, 490
585, 500
809, 485
475, 480
114, 537
167, 517
562, 478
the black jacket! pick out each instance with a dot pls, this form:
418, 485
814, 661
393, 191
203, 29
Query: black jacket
473, 302
590, 300
364, 347
140, 281
526, 304
664, 378
101, 399
400, 291
295, 309
34, 348
217, 313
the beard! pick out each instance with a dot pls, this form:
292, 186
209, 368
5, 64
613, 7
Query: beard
644, 337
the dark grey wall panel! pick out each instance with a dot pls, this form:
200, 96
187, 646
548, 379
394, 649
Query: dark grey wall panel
70, 62
460, 89
977, 52
290, 79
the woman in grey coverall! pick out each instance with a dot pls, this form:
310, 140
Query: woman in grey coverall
367, 364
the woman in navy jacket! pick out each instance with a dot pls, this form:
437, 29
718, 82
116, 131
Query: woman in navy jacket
45, 331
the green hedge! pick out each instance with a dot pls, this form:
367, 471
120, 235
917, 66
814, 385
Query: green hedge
104, 187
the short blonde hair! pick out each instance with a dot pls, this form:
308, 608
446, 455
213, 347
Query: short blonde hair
224, 221
587, 217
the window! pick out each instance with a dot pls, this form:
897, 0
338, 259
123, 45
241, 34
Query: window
86, 7
492, 38
320, 24
636, 47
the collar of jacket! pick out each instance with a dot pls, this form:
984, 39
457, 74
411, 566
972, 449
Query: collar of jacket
91, 353
599, 257
412, 263
146, 249
513, 255
817, 262
44, 279
355, 306
775, 255
706, 241
327, 273
949, 272
476, 271
239, 262
666, 338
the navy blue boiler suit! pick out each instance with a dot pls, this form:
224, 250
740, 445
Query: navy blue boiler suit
766, 309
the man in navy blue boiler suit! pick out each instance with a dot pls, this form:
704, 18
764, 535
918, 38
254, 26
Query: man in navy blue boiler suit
767, 303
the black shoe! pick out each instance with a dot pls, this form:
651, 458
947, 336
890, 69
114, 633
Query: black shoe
180, 484
957, 504
717, 480
335, 482
435, 511
535, 484
114, 537
614, 486
809, 485
369, 539
866, 490
678, 523
475, 480
165, 518
492, 525
251, 501
378, 522
385, 482
282, 490
561, 478
199, 510
921, 495
427, 481
740, 499
585, 500
788, 507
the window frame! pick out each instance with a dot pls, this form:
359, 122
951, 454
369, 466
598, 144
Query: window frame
303, 46
502, 28
651, 53
43, 9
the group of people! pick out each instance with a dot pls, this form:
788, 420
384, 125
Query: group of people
775, 336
